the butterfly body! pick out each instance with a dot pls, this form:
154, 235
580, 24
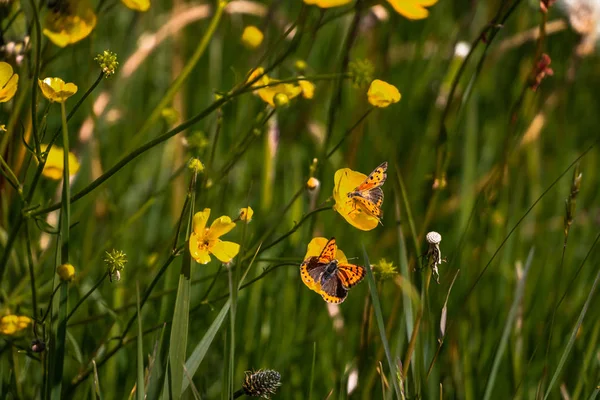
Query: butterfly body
327, 276
368, 196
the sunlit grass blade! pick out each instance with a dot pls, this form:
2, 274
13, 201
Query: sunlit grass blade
179, 333
202, 347
141, 390
519, 292
380, 323
569, 345
96, 390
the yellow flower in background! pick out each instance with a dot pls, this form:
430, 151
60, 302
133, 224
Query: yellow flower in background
55, 163
382, 94
205, 241
308, 89
345, 181
267, 94
55, 89
412, 9
252, 37
8, 82
327, 3
315, 247
137, 5
69, 22
11, 324
66, 272
246, 214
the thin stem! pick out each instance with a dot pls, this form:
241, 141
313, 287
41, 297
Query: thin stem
348, 132
66, 193
36, 74
10, 176
31, 271
85, 296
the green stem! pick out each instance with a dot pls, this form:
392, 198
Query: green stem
348, 132
66, 192
36, 74
10, 176
85, 296
31, 271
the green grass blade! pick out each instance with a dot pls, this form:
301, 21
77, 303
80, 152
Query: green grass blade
380, 323
202, 347
567, 350
157, 367
57, 357
141, 390
312, 371
179, 333
96, 381
512, 314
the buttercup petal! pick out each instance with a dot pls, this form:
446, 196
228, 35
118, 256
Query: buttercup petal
411, 9
315, 247
199, 222
8, 82
224, 251
327, 3
220, 227
346, 180
55, 163
137, 5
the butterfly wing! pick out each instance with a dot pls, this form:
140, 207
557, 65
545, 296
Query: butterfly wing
333, 291
370, 207
311, 271
375, 179
350, 275
329, 252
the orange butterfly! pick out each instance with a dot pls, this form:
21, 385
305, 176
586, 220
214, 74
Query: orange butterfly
325, 275
369, 193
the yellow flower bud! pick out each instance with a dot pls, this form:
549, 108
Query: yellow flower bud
66, 272
281, 100
252, 37
300, 65
246, 214
313, 183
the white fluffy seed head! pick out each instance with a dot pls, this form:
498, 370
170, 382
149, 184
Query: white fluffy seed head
433, 238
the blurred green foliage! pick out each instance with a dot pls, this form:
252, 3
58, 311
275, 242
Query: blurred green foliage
473, 154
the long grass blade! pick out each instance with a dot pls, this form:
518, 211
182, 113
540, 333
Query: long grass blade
569, 345
507, 327
380, 323
202, 347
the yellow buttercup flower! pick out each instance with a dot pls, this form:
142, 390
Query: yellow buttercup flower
137, 5
267, 94
66, 272
252, 37
412, 9
55, 89
327, 3
70, 22
8, 82
205, 241
55, 163
382, 94
246, 214
345, 181
315, 247
12, 324
308, 89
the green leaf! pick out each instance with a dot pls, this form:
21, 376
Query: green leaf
199, 352
157, 366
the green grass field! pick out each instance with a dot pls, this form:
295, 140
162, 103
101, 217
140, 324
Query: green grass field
487, 146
